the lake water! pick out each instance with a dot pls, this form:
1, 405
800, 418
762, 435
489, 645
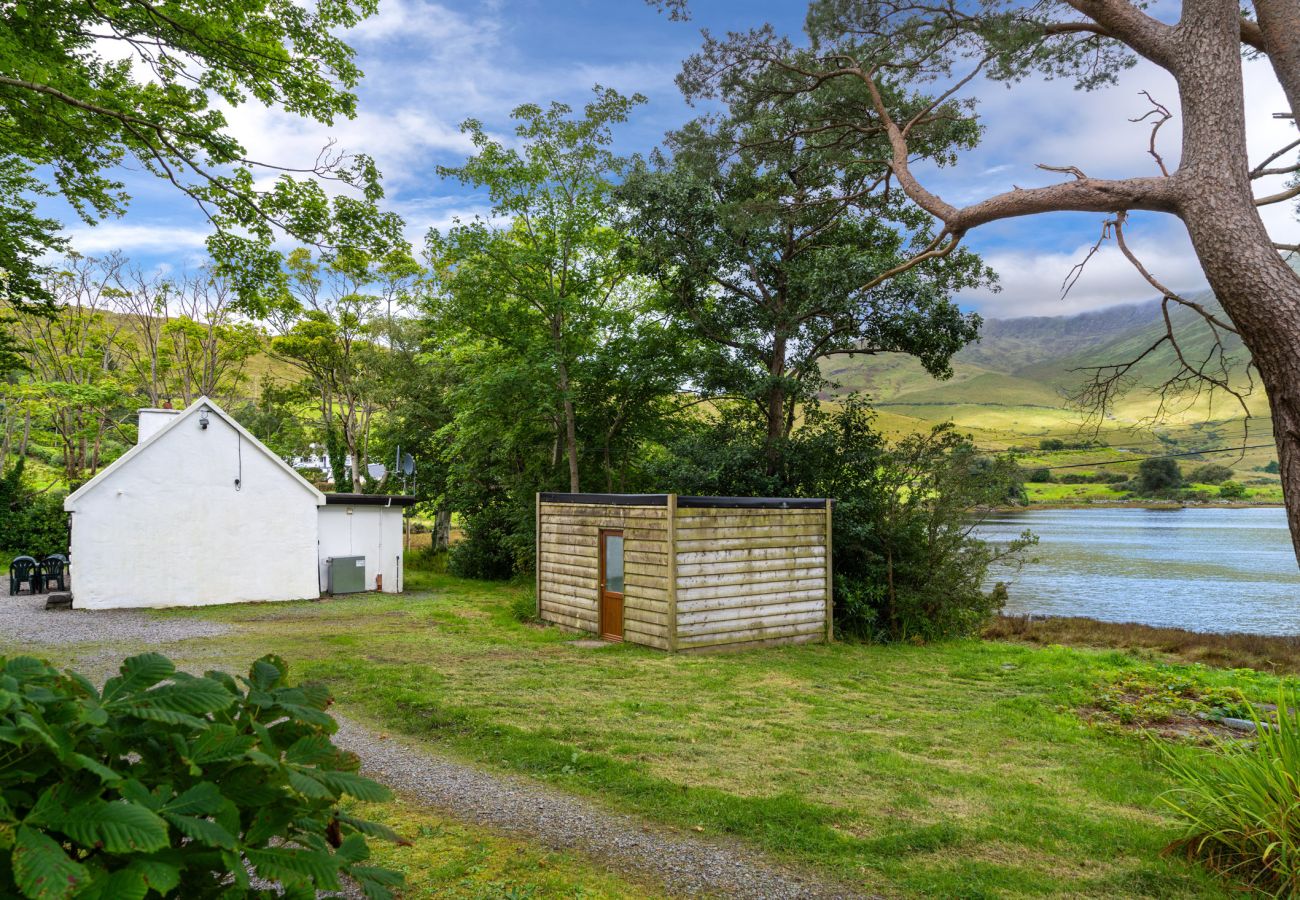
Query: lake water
1201, 569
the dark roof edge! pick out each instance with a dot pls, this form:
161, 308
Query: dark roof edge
369, 500
685, 502
751, 503
606, 499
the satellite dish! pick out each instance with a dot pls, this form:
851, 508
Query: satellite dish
408, 464
377, 471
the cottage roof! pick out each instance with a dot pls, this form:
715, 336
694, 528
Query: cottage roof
126, 459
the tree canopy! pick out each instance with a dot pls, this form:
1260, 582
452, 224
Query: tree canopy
87, 87
782, 252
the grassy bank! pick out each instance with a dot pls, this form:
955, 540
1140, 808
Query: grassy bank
974, 768
1267, 653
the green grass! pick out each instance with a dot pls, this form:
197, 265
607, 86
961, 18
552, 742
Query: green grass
447, 859
1053, 493
962, 769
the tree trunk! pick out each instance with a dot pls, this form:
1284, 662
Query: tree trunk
776, 405
442, 529
570, 427
1253, 283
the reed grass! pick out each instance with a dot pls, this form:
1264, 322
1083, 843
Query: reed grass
1279, 655
1240, 803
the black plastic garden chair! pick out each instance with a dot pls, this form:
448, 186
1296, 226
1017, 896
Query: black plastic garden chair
24, 570
53, 572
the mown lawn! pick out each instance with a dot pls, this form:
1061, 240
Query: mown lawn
962, 769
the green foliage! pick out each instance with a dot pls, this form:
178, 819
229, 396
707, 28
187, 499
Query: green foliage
553, 296
1157, 475
523, 608
90, 87
493, 544
31, 522
1210, 473
167, 784
779, 252
1232, 490
907, 566
1042, 475
1238, 802
1271, 467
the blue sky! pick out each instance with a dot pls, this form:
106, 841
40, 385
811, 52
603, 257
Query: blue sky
429, 65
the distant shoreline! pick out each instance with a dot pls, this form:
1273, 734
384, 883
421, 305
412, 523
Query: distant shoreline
1142, 504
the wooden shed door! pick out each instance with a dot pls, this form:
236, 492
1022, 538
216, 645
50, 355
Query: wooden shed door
611, 585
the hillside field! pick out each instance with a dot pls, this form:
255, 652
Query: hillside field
1017, 387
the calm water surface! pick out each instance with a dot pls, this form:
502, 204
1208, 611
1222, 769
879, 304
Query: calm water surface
1203, 569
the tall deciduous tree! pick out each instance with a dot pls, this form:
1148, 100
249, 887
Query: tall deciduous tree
331, 324
183, 339
783, 252
1214, 189
556, 270
72, 384
87, 87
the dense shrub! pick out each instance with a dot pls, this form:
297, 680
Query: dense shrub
907, 564
31, 521
1093, 478
167, 784
488, 548
1210, 473
1232, 490
1238, 803
1157, 475
1271, 468
1041, 475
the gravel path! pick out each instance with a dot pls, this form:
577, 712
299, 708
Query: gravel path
686, 865
25, 621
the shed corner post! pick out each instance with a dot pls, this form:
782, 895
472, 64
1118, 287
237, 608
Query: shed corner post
830, 583
672, 573
537, 551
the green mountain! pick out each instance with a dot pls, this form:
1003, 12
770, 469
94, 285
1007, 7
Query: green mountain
1023, 377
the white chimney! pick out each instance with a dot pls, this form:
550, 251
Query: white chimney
153, 421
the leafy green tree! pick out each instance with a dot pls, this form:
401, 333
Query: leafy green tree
184, 339
908, 564
331, 319
782, 252
88, 88
919, 64
544, 286
73, 387
1210, 473
1232, 490
1156, 475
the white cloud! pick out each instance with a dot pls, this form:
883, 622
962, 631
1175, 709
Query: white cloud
1050, 122
136, 237
1032, 281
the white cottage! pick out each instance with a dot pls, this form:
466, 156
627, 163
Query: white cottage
201, 512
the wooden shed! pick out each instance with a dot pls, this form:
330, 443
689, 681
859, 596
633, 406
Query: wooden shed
686, 573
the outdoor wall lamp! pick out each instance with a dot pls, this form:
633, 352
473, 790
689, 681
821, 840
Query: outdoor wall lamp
203, 417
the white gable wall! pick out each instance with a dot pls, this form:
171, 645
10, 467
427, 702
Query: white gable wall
374, 532
169, 528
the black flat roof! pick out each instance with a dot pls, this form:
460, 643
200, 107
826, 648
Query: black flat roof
369, 500
686, 502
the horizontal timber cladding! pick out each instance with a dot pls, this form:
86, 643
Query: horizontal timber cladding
700, 572
751, 575
568, 565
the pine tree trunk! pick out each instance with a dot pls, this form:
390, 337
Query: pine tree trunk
1254, 284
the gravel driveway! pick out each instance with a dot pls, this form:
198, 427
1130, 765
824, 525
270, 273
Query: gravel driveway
684, 864
25, 622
